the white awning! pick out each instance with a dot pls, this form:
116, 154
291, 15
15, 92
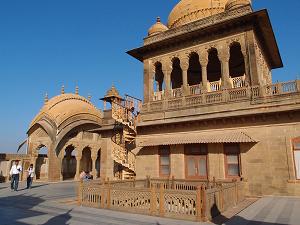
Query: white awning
195, 138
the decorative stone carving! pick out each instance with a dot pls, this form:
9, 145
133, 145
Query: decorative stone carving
218, 18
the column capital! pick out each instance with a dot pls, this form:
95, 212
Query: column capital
184, 63
203, 61
224, 54
166, 67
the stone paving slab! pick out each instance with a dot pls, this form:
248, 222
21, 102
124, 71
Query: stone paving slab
52, 204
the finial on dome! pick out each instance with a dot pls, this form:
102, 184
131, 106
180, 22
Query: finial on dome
46, 99
89, 97
62, 89
77, 90
158, 19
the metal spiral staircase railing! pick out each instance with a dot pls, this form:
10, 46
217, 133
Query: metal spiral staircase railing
125, 114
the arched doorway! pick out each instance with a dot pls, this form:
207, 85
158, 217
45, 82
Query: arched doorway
86, 160
69, 163
42, 163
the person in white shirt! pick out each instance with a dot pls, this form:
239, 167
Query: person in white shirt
15, 171
30, 176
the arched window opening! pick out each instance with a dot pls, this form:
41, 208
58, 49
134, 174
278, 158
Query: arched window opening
176, 74
159, 78
237, 66
194, 71
86, 160
214, 70
236, 61
98, 164
158, 84
69, 163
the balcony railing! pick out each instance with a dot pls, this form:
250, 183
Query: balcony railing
215, 86
177, 93
158, 96
239, 92
238, 82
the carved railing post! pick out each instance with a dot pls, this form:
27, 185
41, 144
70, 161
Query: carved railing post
103, 197
80, 192
153, 201
198, 204
173, 183
236, 193
298, 85
204, 203
161, 200
108, 194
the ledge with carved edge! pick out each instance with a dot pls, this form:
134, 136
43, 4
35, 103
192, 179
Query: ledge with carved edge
208, 21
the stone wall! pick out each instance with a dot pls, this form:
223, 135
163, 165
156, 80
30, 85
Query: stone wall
267, 166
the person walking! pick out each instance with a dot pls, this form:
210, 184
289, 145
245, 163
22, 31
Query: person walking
30, 176
15, 171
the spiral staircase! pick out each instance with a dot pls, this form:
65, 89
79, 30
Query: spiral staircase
125, 113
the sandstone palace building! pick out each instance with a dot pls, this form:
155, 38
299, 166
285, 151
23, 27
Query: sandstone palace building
209, 112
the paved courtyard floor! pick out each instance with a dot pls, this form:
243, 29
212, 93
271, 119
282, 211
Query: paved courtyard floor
54, 204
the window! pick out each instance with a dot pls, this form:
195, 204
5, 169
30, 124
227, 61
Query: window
196, 161
164, 161
296, 145
232, 160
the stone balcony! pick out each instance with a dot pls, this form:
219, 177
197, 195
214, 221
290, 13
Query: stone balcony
193, 101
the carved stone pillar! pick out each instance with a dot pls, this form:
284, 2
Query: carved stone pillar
94, 160
184, 64
148, 84
224, 58
167, 79
94, 170
204, 62
247, 71
78, 158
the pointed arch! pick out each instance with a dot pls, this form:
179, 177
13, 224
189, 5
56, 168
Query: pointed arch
176, 74
194, 71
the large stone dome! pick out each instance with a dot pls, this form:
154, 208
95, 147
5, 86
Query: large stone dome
187, 11
66, 106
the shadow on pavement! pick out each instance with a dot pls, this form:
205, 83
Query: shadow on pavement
20, 209
60, 219
237, 220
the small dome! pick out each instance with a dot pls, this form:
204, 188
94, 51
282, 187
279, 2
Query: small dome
112, 92
187, 11
158, 27
233, 4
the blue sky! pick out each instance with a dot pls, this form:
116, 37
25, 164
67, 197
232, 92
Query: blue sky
45, 44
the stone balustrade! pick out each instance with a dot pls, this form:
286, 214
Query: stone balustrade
180, 199
239, 92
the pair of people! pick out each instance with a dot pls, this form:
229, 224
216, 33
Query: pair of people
15, 172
